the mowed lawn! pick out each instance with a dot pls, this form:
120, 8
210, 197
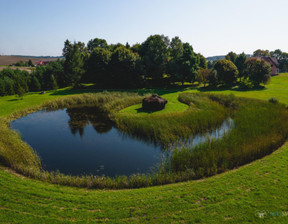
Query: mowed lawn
254, 193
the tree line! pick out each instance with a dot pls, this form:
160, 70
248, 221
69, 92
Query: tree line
156, 62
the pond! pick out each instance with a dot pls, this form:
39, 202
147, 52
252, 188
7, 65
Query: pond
84, 141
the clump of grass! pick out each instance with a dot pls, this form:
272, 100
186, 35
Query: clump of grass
273, 100
203, 115
257, 133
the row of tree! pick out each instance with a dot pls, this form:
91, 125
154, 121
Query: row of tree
248, 72
157, 61
15, 81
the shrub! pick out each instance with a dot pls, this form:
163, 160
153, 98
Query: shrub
273, 100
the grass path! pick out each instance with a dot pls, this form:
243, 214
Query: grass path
236, 196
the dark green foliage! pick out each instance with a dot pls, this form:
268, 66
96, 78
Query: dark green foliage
261, 53
184, 63
49, 77
12, 80
231, 56
30, 63
96, 43
124, 69
282, 58
273, 100
20, 92
240, 64
97, 67
154, 54
74, 62
227, 72
258, 71
213, 78
34, 84
202, 61
2, 88
203, 76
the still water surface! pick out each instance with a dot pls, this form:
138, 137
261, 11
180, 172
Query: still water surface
81, 141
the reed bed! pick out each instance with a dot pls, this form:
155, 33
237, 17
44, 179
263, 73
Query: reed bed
260, 128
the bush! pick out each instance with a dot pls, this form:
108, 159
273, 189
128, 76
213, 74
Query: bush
227, 71
273, 100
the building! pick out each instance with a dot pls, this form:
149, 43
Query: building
274, 64
37, 63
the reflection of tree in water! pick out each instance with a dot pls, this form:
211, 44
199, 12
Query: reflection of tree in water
80, 117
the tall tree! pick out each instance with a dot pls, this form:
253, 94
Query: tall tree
184, 63
154, 53
93, 43
261, 53
124, 69
74, 62
231, 56
202, 62
97, 66
240, 64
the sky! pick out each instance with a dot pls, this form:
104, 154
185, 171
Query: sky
212, 27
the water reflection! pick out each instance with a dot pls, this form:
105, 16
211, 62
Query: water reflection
82, 140
80, 117
198, 139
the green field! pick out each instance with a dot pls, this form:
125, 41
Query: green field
237, 196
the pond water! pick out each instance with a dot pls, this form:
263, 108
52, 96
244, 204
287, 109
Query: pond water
79, 141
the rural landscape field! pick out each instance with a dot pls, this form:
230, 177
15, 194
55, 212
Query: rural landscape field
143, 112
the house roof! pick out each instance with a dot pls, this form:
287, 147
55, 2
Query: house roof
271, 60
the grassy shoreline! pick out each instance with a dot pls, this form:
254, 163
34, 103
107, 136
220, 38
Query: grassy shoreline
232, 197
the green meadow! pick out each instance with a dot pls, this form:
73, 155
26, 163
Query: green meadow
252, 193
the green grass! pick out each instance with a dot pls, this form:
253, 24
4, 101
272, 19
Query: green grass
231, 197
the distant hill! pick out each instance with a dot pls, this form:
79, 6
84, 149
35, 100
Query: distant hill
8, 60
219, 57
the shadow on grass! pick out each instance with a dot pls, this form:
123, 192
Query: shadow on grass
143, 91
141, 110
232, 88
14, 100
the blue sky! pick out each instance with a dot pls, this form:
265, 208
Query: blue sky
212, 27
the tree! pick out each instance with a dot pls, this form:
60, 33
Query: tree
30, 63
231, 56
203, 76
282, 58
189, 64
184, 63
202, 62
258, 71
227, 71
213, 78
154, 53
261, 53
74, 62
176, 48
34, 84
97, 66
93, 43
20, 92
124, 69
2, 88
240, 64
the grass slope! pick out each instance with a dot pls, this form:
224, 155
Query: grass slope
233, 197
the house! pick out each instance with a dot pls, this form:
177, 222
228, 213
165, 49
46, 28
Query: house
273, 62
37, 63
